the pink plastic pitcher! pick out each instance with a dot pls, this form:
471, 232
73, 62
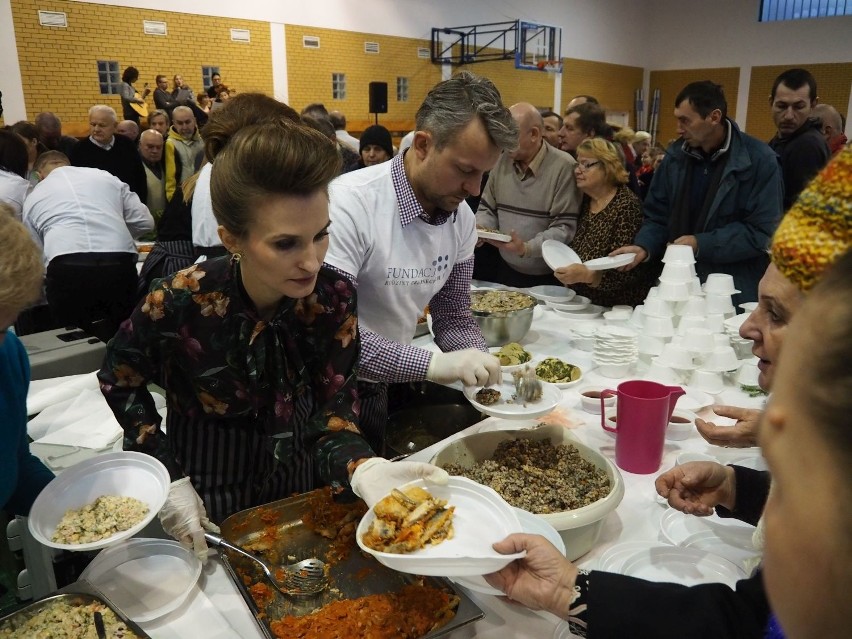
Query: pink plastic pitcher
642, 414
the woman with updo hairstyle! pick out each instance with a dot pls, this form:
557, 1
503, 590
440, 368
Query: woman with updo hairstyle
610, 213
188, 227
256, 350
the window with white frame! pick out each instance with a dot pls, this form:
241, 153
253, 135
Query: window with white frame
779, 10
402, 89
338, 86
108, 77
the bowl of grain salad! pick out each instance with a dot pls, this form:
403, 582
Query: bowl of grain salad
503, 316
99, 501
546, 471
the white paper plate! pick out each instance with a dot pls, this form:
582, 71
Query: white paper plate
577, 303
552, 293
678, 527
531, 524
146, 578
128, 474
709, 542
604, 263
489, 235
694, 400
508, 408
557, 254
590, 312
481, 518
675, 564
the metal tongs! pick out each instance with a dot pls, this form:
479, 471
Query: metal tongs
301, 579
527, 386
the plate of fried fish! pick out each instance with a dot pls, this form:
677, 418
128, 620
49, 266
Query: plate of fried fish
428, 529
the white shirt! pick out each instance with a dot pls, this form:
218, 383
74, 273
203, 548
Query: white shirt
14, 190
205, 228
83, 210
398, 269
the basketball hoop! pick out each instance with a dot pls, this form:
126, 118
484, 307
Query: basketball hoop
550, 66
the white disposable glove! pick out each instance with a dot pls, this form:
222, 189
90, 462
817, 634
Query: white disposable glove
184, 517
471, 366
373, 480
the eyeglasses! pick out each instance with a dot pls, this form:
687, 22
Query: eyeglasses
585, 166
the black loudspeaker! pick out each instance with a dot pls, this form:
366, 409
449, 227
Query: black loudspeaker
378, 97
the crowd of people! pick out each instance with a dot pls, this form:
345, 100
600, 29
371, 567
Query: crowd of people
291, 261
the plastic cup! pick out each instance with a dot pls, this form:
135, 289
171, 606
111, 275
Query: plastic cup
707, 381
719, 303
655, 326
674, 291
681, 424
721, 360
677, 272
677, 357
658, 307
720, 284
698, 340
695, 306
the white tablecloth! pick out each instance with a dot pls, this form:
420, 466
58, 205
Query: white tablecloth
217, 610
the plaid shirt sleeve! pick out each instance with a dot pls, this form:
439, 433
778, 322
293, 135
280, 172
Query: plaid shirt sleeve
452, 321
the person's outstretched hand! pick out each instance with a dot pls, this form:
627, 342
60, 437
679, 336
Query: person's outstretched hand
470, 366
375, 478
743, 434
696, 488
639, 256
184, 517
543, 580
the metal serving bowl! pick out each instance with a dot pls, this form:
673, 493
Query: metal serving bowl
502, 327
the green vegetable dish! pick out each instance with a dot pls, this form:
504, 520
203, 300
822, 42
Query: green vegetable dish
556, 371
512, 354
752, 391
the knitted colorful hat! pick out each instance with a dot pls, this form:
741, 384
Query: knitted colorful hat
817, 229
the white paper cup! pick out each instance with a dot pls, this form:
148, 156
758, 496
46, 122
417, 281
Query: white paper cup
681, 425
679, 253
677, 272
720, 284
677, 357
655, 326
698, 340
674, 291
657, 307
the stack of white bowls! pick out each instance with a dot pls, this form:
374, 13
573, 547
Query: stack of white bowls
732, 330
616, 350
583, 334
718, 290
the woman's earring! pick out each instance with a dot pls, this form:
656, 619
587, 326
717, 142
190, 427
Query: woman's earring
235, 258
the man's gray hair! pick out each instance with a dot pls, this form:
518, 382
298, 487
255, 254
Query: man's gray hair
452, 104
103, 108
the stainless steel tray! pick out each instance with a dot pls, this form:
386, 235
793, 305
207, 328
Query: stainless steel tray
279, 524
80, 593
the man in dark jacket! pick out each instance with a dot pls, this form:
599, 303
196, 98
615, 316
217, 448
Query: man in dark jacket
718, 191
799, 142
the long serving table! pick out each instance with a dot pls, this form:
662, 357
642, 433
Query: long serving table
217, 610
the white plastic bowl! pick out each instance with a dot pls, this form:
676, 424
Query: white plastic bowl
678, 430
128, 474
579, 528
145, 578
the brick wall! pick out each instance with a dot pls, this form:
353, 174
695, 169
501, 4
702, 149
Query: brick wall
670, 83
832, 88
59, 66
309, 74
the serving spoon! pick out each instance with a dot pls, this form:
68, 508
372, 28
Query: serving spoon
302, 579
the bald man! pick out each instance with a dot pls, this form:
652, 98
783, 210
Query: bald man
831, 124
129, 129
151, 145
531, 196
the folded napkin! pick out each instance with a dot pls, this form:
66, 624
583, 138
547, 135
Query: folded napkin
84, 421
47, 392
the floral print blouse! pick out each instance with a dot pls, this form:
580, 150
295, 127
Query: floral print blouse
198, 335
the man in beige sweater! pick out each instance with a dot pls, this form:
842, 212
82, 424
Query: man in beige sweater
531, 196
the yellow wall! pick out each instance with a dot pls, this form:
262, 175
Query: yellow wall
59, 66
612, 84
670, 83
309, 74
515, 85
832, 88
